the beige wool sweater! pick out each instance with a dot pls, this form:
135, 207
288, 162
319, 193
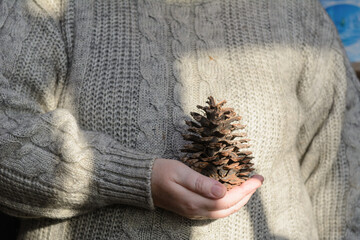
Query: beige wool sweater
92, 91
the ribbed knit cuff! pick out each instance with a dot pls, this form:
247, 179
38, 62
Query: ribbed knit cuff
125, 178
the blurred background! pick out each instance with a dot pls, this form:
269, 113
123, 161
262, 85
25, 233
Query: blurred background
346, 16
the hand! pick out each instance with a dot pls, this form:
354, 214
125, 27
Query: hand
178, 188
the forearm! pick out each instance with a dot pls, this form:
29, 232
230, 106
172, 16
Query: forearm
52, 168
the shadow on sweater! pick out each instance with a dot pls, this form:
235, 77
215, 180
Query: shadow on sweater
258, 219
255, 206
9, 226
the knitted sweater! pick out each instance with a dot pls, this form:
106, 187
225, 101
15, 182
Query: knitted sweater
92, 91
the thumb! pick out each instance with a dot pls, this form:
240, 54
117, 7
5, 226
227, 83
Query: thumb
200, 184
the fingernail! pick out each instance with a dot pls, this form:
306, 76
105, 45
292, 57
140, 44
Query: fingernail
259, 177
218, 190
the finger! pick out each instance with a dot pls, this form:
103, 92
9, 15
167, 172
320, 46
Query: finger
197, 205
183, 201
200, 184
188, 203
227, 212
224, 212
236, 194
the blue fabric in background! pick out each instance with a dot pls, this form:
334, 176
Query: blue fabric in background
346, 16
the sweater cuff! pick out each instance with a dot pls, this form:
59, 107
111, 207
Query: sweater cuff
125, 178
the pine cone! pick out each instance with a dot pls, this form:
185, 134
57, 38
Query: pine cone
214, 151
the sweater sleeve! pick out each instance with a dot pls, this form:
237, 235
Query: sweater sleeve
49, 166
331, 159
351, 154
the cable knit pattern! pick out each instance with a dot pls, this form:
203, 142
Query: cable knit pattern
56, 163
153, 113
91, 92
4, 10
